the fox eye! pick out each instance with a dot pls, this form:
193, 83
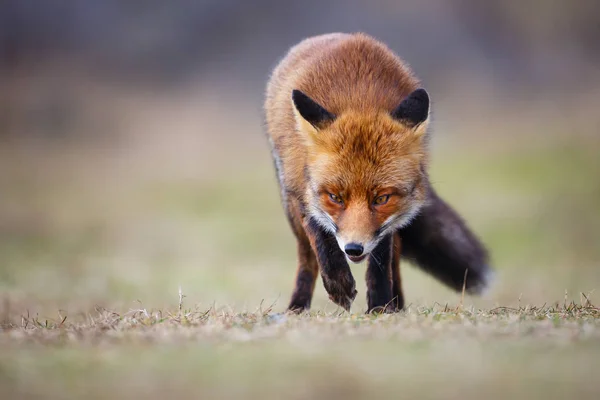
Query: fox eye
381, 200
336, 199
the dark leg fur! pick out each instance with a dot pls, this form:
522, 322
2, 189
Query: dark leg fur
336, 274
308, 267
397, 296
306, 276
440, 243
379, 278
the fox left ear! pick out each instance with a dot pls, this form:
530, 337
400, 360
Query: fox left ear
311, 111
414, 109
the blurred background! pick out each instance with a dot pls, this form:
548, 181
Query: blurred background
133, 158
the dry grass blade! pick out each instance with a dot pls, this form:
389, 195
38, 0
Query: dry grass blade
462, 295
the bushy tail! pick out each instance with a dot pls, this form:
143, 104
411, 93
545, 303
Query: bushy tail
440, 243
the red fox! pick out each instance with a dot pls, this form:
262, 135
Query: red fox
347, 123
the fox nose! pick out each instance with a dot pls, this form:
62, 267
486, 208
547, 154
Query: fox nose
354, 249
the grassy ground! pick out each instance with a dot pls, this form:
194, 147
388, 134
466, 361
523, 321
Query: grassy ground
425, 352
95, 244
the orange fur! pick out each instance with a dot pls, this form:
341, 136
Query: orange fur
360, 155
364, 151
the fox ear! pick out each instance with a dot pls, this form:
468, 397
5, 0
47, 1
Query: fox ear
414, 109
311, 111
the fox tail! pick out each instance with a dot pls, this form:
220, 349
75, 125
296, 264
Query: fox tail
439, 242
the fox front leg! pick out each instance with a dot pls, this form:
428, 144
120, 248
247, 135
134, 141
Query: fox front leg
380, 297
335, 271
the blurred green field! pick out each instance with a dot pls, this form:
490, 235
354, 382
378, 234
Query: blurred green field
68, 239
117, 227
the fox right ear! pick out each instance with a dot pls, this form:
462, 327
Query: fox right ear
414, 109
311, 111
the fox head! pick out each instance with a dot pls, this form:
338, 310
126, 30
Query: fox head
366, 169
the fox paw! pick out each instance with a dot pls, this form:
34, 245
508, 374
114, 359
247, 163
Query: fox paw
341, 292
383, 306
